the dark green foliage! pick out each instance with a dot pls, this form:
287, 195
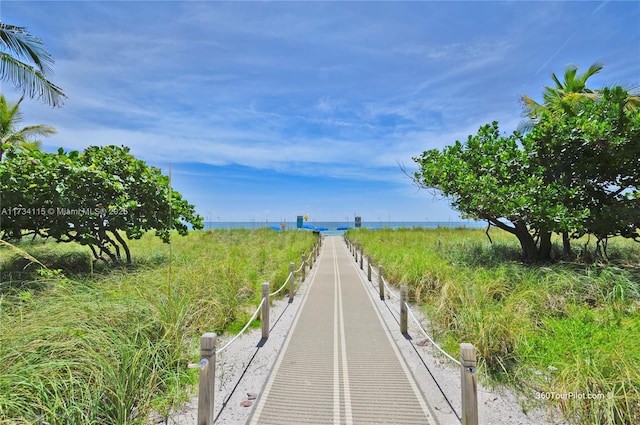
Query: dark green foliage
92, 198
574, 174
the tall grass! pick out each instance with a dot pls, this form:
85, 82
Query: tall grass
563, 332
95, 345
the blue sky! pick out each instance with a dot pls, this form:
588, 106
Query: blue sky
267, 110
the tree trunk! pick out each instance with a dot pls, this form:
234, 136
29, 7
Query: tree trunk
566, 245
124, 245
544, 250
528, 245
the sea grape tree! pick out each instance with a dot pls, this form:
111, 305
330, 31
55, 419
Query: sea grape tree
98, 198
573, 173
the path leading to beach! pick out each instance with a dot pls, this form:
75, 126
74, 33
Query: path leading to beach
339, 360
336, 356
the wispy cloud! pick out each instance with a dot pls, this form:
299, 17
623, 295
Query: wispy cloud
337, 90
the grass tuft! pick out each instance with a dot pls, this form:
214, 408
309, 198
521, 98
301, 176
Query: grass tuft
81, 343
563, 333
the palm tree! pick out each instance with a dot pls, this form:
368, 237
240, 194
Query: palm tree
11, 134
566, 98
568, 95
17, 45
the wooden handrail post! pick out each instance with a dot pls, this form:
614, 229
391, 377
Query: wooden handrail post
304, 265
469, 383
369, 268
207, 378
403, 309
292, 279
265, 310
361, 260
380, 283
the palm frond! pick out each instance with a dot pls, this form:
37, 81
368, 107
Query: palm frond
526, 125
593, 69
555, 79
35, 130
22, 253
633, 102
531, 107
30, 80
31, 145
574, 99
26, 46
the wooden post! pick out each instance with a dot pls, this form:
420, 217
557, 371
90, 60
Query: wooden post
265, 311
403, 309
380, 283
292, 279
207, 378
369, 268
303, 267
469, 383
361, 261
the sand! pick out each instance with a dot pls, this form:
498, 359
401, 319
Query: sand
243, 368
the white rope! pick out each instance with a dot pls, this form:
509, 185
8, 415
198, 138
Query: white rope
428, 337
282, 287
384, 281
255, 314
389, 291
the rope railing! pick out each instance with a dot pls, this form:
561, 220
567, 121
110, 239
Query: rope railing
453, 359
253, 317
389, 291
467, 362
208, 340
283, 285
406, 305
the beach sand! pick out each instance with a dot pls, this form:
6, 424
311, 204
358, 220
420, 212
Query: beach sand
243, 368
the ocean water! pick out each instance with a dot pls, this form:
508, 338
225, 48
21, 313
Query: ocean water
330, 228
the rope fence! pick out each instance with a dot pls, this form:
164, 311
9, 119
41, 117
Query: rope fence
209, 340
467, 362
417, 322
253, 317
283, 285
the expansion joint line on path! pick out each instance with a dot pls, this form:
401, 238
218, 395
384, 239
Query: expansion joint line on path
339, 350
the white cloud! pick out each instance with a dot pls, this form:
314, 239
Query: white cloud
335, 89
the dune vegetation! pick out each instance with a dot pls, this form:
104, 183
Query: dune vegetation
564, 334
83, 342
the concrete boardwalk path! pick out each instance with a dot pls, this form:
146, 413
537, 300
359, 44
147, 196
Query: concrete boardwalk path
339, 364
